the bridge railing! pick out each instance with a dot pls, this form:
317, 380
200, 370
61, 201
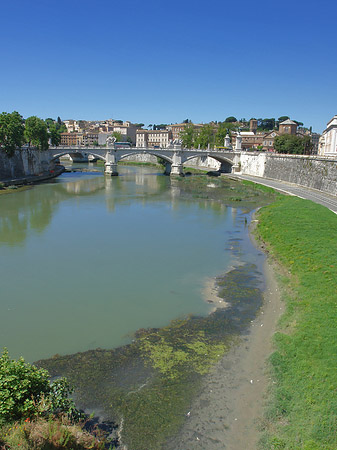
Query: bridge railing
99, 148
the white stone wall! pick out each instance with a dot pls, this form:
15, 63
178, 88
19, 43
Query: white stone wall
253, 163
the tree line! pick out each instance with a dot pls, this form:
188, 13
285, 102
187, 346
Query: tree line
15, 131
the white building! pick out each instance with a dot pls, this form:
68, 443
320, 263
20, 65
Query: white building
153, 138
73, 126
328, 140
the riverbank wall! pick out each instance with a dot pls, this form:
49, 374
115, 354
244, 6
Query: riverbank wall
309, 171
27, 166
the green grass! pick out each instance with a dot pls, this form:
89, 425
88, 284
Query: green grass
302, 410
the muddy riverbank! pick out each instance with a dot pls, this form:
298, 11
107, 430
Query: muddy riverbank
226, 413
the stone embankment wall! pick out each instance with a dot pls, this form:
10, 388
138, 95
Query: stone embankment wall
309, 171
23, 164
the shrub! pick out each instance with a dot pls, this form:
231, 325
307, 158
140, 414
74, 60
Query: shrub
26, 391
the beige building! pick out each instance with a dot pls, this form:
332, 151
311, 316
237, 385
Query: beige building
249, 139
153, 138
268, 140
71, 139
328, 140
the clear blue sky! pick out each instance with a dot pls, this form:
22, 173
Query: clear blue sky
161, 62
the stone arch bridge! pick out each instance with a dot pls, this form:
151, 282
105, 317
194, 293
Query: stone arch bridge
175, 157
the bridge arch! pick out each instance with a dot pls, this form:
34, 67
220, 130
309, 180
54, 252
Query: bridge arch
147, 152
226, 163
69, 151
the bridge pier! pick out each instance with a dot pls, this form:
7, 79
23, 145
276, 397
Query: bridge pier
177, 165
110, 167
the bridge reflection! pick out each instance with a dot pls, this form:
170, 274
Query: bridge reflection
30, 212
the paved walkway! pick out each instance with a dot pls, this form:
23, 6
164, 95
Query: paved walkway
330, 201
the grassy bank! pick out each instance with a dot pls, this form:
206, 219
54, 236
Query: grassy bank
302, 410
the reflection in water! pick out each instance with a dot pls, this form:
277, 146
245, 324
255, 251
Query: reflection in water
33, 209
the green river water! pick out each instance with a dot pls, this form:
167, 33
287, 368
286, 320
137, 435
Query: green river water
87, 260
108, 281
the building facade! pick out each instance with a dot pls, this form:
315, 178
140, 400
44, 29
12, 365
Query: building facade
287, 127
328, 140
153, 138
71, 139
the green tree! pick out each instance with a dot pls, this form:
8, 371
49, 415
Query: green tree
292, 144
117, 135
221, 134
36, 132
205, 136
54, 134
282, 119
266, 124
231, 119
188, 136
11, 132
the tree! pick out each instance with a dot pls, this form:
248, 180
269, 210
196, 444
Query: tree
292, 144
117, 135
221, 133
299, 124
188, 135
231, 119
36, 132
11, 132
266, 124
54, 134
205, 136
282, 119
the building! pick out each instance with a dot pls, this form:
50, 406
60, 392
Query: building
90, 139
127, 130
287, 127
328, 140
71, 139
250, 139
315, 142
141, 138
268, 140
153, 138
73, 126
253, 125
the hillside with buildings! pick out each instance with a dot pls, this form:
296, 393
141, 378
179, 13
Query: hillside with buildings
257, 134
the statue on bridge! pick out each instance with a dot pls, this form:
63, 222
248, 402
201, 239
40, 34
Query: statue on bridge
110, 141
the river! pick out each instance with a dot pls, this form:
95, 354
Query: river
87, 260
